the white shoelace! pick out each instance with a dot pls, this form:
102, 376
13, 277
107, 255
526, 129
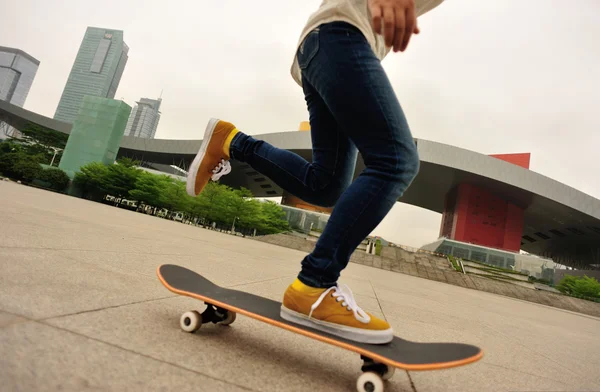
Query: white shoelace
343, 295
223, 168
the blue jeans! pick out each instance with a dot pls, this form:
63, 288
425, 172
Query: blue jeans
352, 109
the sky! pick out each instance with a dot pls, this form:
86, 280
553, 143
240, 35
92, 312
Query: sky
494, 77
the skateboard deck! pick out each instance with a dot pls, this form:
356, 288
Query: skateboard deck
399, 353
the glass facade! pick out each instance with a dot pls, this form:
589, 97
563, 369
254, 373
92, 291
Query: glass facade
535, 266
305, 221
144, 119
96, 135
97, 70
17, 71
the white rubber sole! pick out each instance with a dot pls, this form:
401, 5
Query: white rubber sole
350, 333
193, 171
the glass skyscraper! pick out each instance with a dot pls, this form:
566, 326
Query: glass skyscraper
144, 118
17, 71
97, 70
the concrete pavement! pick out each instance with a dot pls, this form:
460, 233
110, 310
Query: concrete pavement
81, 309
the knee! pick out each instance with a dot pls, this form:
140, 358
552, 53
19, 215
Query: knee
413, 164
329, 196
399, 164
327, 188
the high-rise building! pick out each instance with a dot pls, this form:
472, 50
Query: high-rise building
144, 118
97, 70
17, 71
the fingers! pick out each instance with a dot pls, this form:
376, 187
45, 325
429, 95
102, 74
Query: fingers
396, 20
400, 31
389, 25
376, 15
411, 22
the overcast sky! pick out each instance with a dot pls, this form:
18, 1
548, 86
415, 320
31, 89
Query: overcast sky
493, 77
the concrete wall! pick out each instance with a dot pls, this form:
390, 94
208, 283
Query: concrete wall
429, 266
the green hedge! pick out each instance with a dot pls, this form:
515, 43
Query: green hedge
55, 178
378, 247
455, 263
580, 287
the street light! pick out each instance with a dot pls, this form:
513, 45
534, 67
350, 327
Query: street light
56, 151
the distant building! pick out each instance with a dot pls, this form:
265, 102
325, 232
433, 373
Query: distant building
17, 71
144, 118
97, 70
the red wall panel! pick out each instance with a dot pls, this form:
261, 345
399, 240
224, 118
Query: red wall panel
514, 227
482, 218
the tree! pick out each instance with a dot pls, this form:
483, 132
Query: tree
40, 142
7, 162
272, 218
91, 179
148, 188
128, 162
209, 204
35, 134
14, 155
174, 196
120, 179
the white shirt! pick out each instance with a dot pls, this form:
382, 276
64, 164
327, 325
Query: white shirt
356, 13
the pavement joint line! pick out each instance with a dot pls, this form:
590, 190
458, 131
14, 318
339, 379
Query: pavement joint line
27, 319
145, 355
412, 383
377, 298
104, 308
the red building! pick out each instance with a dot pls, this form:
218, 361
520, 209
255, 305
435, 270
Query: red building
474, 215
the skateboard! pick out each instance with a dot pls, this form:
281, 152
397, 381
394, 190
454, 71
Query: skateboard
379, 360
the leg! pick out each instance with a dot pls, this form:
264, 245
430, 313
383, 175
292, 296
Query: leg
339, 65
355, 88
320, 182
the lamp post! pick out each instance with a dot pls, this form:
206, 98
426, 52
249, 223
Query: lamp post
233, 225
56, 150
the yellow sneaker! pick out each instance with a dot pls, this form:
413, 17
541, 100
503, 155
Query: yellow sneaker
335, 311
212, 161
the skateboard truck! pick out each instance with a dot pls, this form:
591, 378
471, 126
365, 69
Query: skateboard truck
374, 373
192, 321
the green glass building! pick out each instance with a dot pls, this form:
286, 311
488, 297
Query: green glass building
97, 70
96, 134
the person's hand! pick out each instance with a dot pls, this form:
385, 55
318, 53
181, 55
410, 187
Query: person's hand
395, 20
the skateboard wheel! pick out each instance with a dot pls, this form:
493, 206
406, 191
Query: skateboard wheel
369, 382
229, 319
190, 321
389, 373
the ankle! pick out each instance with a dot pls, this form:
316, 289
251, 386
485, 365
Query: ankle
298, 285
228, 140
